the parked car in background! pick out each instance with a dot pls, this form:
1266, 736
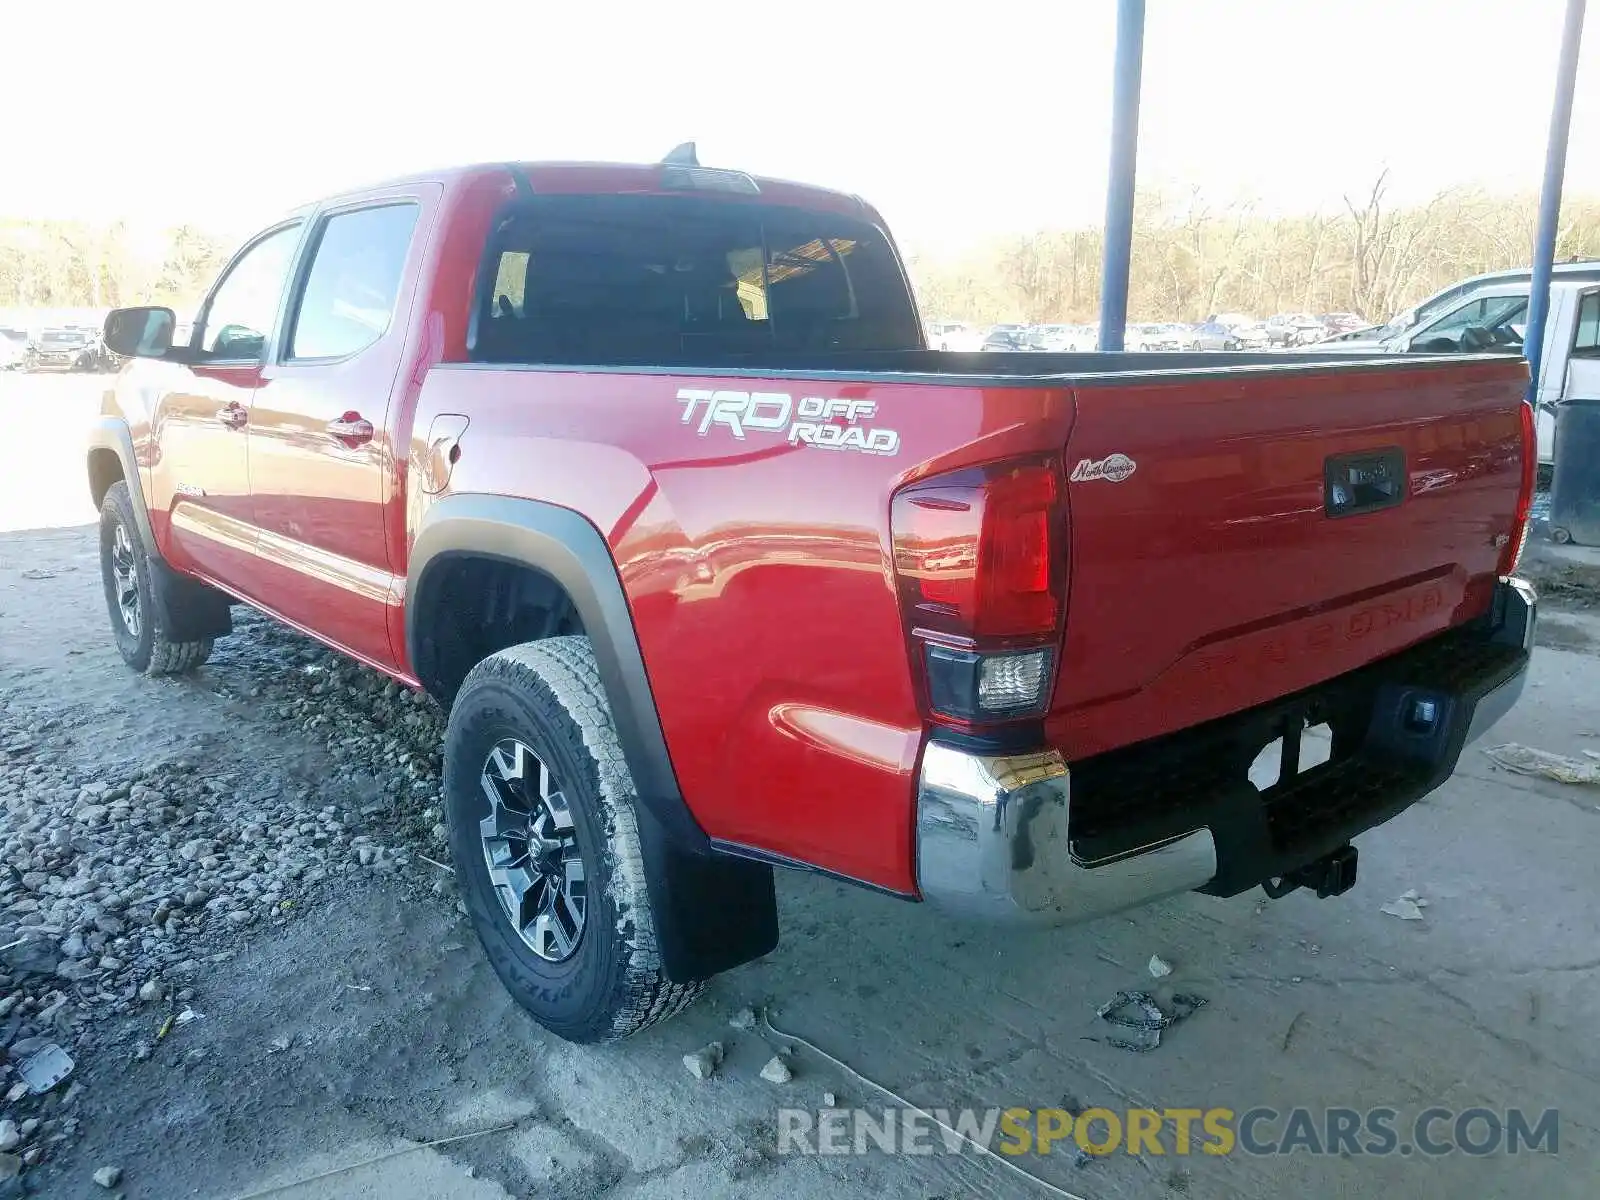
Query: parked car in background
1045, 337
1364, 334
56, 349
13, 349
1233, 320
1253, 336
1187, 338
1336, 323
1213, 335
1151, 337
1073, 339
1006, 337
953, 335
98, 357
1083, 338
1293, 329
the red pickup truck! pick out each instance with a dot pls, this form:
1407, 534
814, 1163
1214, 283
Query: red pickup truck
646, 473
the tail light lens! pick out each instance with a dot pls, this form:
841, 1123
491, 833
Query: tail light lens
980, 559
1512, 554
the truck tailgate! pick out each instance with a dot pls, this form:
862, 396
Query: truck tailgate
1211, 569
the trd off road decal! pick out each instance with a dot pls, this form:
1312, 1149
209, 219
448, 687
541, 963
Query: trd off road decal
813, 421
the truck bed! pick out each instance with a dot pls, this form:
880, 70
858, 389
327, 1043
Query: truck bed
1018, 369
1206, 581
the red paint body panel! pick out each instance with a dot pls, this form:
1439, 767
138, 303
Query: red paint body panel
759, 573
759, 579
1211, 579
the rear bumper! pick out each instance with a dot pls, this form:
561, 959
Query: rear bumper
1023, 837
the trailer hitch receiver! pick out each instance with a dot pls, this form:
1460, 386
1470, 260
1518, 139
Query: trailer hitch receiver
1331, 875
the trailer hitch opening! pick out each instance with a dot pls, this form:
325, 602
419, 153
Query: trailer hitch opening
1331, 875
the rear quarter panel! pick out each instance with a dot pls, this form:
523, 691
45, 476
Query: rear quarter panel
758, 575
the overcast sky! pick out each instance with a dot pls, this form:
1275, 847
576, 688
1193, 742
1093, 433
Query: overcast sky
957, 121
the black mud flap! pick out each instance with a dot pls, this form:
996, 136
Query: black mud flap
190, 610
713, 912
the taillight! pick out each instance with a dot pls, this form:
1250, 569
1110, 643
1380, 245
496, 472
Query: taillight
1512, 554
980, 558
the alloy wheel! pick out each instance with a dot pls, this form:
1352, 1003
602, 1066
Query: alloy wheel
531, 848
125, 578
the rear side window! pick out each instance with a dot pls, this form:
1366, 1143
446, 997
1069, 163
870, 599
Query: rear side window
349, 294
1587, 343
642, 279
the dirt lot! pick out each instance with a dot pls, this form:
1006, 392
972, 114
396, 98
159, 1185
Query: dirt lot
250, 844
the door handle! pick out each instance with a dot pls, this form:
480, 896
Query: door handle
352, 429
233, 415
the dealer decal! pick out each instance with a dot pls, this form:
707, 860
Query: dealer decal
1113, 467
828, 424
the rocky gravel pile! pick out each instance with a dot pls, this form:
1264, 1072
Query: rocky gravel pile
123, 882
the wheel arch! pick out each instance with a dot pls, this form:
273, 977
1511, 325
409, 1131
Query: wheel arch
565, 548
109, 458
713, 911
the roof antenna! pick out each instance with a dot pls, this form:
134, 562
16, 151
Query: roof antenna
681, 155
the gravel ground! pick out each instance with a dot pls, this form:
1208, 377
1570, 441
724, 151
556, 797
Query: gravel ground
252, 846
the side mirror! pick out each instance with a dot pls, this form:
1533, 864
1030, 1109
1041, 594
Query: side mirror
140, 332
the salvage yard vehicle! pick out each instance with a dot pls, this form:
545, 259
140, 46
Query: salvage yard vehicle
1154, 337
57, 349
95, 356
1004, 339
953, 335
647, 474
1213, 335
13, 349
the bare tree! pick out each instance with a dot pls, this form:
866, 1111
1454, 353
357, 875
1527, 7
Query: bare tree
1192, 258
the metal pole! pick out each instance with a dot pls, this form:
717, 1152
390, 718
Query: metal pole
1555, 166
1124, 160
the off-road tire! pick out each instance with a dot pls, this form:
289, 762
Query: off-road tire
548, 696
148, 651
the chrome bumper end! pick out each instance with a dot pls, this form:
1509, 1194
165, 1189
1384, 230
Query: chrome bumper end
1517, 613
993, 844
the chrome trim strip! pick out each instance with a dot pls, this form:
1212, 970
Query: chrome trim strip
1518, 611
325, 566
213, 525
992, 843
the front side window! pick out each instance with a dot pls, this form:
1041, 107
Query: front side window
617, 279
244, 307
350, 291
1488, 323
1587, 343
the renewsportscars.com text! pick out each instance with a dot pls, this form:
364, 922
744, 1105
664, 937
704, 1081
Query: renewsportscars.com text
1378, 1131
